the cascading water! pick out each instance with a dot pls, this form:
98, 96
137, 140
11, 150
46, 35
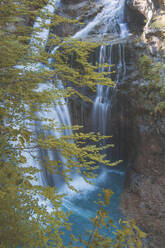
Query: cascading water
109, 20
40, 38
102, 102
104, 95
58, 113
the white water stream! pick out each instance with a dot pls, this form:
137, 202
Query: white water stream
112, 14
58, 113
110, 19
104, 94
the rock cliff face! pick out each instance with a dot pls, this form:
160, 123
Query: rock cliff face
143, 198
144, 195
81, 10
137, 125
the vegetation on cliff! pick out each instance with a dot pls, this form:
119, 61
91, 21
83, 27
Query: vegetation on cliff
24, 221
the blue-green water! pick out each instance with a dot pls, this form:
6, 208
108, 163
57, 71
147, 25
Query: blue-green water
82, 204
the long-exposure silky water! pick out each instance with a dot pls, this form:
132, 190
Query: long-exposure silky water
105, 95
111, 21
59, 113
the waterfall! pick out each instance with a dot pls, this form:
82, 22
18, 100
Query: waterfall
110, 19
104, 94
40, 38
58, 113
112, 16
102, 103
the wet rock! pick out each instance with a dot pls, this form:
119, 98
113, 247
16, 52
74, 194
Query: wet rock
65, 29
146, 8
154, 35
146, 17
140, 13
143, 198
145, 202
82, 11
138, 134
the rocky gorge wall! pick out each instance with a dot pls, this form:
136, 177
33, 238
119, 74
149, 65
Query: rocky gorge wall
144, 122
136, 121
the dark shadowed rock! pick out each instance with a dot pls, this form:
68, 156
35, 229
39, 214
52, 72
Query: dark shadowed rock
138, 133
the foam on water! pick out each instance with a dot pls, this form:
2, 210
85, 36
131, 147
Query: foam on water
82, 186
111, 15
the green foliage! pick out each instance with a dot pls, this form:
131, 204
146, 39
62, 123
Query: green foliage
145, 66
24, 221
153, 72
159, 25
105, 234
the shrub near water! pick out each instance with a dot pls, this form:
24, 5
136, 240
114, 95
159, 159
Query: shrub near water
23, 221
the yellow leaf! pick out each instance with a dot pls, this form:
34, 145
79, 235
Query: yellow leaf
107, 195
